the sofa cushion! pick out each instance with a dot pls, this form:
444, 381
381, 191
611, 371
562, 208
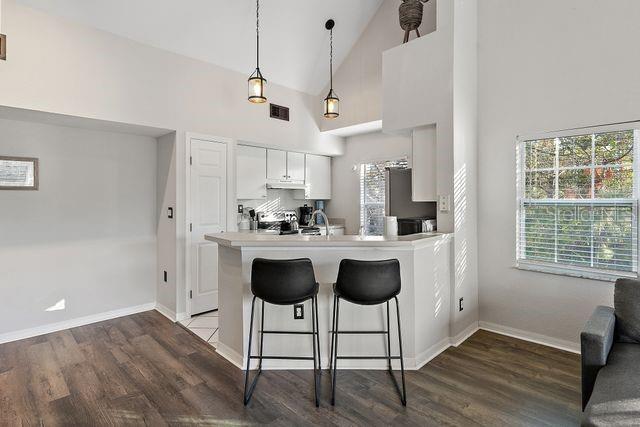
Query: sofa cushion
627, 308
616, 395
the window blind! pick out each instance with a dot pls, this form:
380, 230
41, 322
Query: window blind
577, 206
372, 194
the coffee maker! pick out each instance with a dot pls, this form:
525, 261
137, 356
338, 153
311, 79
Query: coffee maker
305, 214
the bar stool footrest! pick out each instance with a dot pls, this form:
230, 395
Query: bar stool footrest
369, 357
281, 357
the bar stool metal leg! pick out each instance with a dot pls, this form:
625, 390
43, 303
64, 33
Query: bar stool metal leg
261, 336
388, 338
317, 336
248, 391
333, 329
403, 396
316, 350
335, 352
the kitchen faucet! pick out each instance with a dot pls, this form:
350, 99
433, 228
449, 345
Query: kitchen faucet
324, 216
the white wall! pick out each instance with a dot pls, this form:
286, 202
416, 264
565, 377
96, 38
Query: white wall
63, 67
345, 201
166, 294
358, 80
542, 66
87, 237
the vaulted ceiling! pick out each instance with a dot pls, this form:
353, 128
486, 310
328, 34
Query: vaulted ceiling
294, 42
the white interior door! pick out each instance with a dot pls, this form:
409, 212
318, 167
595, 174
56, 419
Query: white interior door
208, 214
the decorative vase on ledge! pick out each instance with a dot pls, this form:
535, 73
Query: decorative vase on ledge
411, 17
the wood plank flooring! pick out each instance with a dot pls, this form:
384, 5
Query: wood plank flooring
145, 370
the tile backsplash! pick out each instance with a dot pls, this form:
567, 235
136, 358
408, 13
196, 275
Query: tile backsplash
277, 200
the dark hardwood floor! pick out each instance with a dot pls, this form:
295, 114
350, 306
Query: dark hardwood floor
143, 369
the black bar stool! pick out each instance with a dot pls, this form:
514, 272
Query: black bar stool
283, 282
366, 283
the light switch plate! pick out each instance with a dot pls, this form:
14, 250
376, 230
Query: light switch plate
3, 47
444, 203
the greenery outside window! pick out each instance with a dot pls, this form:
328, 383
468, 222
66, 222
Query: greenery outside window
372, 194
577, 203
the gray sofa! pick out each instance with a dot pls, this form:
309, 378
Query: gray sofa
610, 345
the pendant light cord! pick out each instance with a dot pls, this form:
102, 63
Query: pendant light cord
331, 59
258, 34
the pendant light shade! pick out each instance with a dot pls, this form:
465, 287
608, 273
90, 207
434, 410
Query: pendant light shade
331, 105
331, 102
256, 82
256, 87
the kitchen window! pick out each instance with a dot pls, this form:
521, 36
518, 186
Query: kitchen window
577, 203
372, 194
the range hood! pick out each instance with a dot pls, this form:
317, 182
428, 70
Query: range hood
286, 185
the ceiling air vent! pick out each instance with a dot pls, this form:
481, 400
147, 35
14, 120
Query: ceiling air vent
279, 112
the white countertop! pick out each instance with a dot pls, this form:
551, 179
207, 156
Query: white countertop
253, 239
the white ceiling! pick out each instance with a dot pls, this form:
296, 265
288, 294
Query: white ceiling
294, 43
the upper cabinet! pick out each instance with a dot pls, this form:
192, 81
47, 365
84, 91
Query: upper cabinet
425, 167
257, 167
295, 166
251, 172
276, 165
318, 177
285, 166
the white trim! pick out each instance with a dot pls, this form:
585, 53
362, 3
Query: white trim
429, 354
569, 346
230, 168
182, 316
566, 270
74, 323
166, 312
230, 354
465, 334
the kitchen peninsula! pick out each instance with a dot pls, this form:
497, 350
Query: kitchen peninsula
425, 299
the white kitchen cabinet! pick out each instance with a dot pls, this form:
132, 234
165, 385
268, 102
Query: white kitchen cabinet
318, 177
276, 165
251, 172
423, 170
295, 166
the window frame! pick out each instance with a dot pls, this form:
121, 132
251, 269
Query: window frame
567, 269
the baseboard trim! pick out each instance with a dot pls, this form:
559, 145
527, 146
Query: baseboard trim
166, 312
74, 323
431, 353
569, 346
231, 355
465, 334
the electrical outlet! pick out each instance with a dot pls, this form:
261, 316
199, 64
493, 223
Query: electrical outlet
240, 209
444, 203
298, 311
460, 305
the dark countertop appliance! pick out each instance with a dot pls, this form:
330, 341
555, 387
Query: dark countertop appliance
305, 214
413, 217
280, 222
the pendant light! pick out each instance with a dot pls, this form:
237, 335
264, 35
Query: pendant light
256, 81
331, 102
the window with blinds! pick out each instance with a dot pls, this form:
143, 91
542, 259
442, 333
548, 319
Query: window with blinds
577, 204
372, 194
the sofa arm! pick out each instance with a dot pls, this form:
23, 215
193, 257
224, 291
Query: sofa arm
596, 340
